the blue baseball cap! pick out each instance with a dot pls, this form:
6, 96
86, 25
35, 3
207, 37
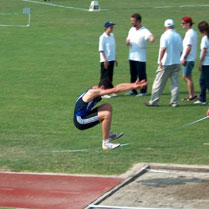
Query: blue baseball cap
108, 24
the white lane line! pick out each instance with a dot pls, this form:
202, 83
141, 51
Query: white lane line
55, 5
206, 5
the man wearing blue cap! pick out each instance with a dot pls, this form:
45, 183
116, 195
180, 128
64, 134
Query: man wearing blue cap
107, 50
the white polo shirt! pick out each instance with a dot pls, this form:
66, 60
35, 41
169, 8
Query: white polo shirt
108, 46
190, 39
205, 44
138, 43
172, 41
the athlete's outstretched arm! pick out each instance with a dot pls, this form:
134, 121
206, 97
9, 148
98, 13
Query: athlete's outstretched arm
124, 87
97, 92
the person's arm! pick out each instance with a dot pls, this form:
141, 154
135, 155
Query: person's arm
93, 93
151, 38
162, 52
183, 61
127, 86
128, 39
202, 58
105, 60
208, 112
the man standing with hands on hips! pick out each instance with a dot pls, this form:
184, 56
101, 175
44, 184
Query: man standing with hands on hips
137, 41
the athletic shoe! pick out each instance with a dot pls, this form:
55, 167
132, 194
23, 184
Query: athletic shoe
130, 93
141, 95
174, 105
114, 136
109, 146
106, 96
148, 104
113, 95
200, 102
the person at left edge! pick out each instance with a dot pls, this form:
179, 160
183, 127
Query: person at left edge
107, 50
86, 116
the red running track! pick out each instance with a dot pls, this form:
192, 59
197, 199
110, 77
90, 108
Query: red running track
46, 191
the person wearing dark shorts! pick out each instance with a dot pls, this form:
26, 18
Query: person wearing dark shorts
86, 115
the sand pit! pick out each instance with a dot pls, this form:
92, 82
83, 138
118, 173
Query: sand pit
162, 187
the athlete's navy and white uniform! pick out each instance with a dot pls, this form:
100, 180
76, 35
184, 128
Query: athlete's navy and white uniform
84, 115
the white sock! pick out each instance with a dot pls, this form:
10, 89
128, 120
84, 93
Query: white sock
106, 141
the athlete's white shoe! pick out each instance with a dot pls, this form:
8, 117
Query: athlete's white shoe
114, 136
109, 146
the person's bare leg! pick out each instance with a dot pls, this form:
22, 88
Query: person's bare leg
190, 86
105, 117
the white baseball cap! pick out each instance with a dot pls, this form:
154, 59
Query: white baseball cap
169, 23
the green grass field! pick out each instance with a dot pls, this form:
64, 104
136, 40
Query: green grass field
45, 67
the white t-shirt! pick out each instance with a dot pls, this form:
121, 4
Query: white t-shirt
172, 41
190, 39
205, 44
108, 46
138, 43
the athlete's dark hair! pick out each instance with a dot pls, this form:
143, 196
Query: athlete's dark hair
204, 27
137, 16
106, 83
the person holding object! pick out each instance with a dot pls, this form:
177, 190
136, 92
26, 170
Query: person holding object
204, 62
86, 116
107, 50
168, 65
189, 56
137, 39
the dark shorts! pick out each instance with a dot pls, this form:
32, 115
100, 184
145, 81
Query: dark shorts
88, 121
187, 68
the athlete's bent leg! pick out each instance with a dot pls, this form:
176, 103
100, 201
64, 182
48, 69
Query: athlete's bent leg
105, 117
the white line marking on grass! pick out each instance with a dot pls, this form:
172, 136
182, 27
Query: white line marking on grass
55, 5
58, 151
50, 151
160, 7
22, 26
4, 14
206, 5
76, 150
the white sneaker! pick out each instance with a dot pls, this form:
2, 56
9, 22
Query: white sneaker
106, 96
109, 146
114, 136
200, 102
113, 95
141, 95
174, 105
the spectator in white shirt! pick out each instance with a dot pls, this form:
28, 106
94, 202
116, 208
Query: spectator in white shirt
189, 55
169, 65
107, 50
204, 62
137, 41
